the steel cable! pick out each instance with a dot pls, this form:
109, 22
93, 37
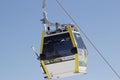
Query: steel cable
110, 66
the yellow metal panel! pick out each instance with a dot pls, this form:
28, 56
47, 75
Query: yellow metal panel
42, 62
71, 36
42, 41
74, 45
77, 63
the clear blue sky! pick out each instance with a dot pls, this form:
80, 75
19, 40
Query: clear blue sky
20, 28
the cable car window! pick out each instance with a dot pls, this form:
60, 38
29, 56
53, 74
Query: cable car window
82, 51
57, 46
79, 41
82, 57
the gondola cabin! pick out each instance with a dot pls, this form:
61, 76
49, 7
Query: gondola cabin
63, 52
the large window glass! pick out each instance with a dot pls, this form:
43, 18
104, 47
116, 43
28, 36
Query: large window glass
82, 51
82, 57
79, 41
57, 46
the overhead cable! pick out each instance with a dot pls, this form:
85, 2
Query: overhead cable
100, 54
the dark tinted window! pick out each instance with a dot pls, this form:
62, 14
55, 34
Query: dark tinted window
57, 46
79, 41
